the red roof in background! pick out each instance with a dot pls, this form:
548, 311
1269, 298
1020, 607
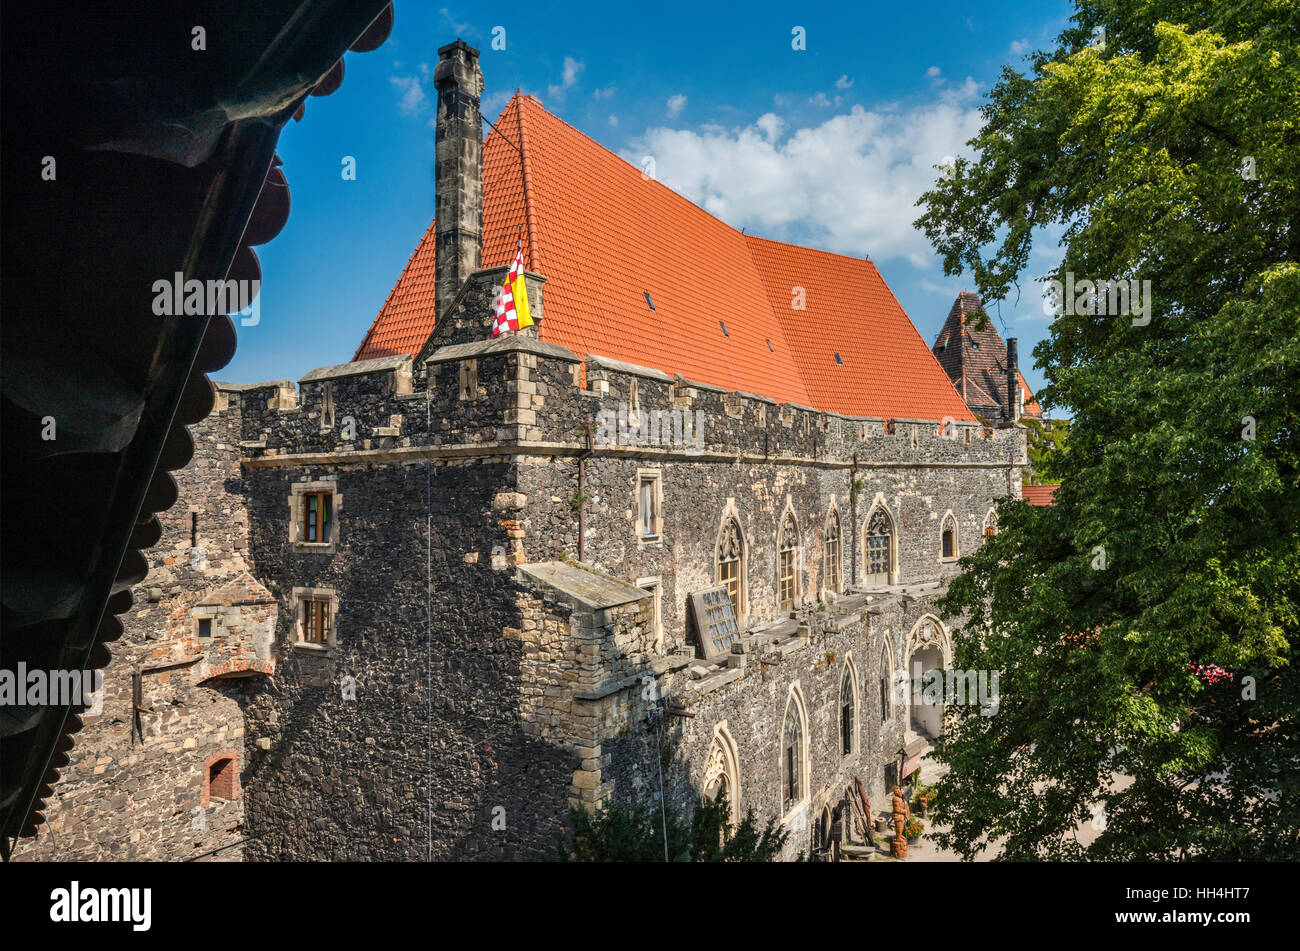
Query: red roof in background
975, 359
1039, 494
605, 236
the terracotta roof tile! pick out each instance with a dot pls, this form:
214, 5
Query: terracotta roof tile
1039, 494
605, 236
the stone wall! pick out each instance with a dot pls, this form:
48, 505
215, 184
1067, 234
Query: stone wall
135, 787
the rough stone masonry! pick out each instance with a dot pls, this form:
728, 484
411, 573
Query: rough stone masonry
412, 608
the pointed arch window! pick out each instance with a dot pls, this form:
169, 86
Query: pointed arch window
878, 549
731, 563
948, 538
886, 675
792, 756
834, 557
990, 524
788, 575
848, 712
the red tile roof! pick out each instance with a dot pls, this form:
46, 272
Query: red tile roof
975, 359
605, 236
1039, 494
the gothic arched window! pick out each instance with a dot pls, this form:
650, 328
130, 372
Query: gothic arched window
848, 711
878, 548
948, 538
731, 563
792, 756
834, 558
788, 576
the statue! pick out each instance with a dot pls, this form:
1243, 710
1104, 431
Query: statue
898, 849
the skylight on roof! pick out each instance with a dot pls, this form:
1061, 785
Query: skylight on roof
649, 300
839, 359
770, 347
724, 328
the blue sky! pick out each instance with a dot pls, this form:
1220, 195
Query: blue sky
827, 146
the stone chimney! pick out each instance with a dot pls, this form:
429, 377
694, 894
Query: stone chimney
458, 170
1012, 411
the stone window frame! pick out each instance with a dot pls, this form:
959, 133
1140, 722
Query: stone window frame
790, 807
833, 555
887, 682
654, 539
851, 674
990, 527
205, 612
654, 584
300, 596
296, 491
723, 763
731, 514
892, 548
796, 553
949, 519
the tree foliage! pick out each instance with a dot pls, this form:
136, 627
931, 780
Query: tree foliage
1170, 152
635, 833
1045, 443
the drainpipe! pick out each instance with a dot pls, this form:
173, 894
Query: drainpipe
582, 485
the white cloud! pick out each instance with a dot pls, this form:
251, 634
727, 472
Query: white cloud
613, 121
413, 98
821, 99
933, 71
568, 78
1019, 47
843, 82
770, 124
675, 105
848, 184
604, 93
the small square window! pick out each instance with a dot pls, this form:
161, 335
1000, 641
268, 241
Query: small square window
313, 515
649, 507
315, 620
205, 627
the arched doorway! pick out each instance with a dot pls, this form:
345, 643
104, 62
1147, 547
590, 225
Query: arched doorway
928, 650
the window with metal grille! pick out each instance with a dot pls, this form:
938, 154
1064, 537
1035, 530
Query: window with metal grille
789, 570
834, 566
317, 515
731, 563
877, 548
315, 620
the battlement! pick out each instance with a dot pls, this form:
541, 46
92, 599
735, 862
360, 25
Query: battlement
467, 393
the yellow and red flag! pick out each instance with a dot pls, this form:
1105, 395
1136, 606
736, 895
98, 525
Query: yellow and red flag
512, 302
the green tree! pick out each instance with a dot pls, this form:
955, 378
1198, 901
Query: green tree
635, 833
1045, 443
1166, 149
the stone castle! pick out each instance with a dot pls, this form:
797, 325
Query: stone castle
416, 605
